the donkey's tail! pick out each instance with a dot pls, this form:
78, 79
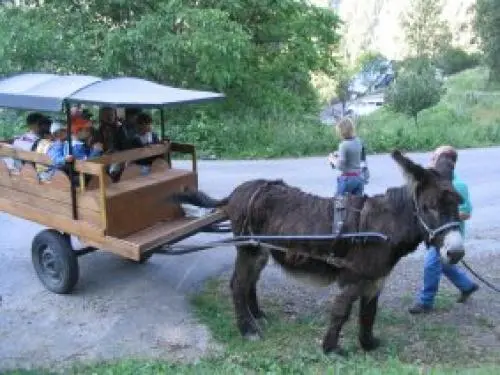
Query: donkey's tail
198, 199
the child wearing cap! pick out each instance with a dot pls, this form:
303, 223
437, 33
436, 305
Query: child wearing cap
59, 150
57, 137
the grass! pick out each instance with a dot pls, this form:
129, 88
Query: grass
466, 116
292, 346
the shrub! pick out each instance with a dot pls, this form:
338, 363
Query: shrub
453, 60
415, 89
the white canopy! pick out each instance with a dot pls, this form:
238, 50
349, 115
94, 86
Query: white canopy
47, 92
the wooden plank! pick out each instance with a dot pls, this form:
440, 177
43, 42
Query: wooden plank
95, 184
29, 175
56, 221
143, 203
131, 171
132, 155
59, 181
165, 232
144, 181
90, 235
4, 170
159, 165
166, 175
114, 245
90, 167
88, 200
102, 195
185, 148
6, 150
49, 206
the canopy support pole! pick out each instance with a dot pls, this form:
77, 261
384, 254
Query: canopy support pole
71, 165
162, 123
162, 127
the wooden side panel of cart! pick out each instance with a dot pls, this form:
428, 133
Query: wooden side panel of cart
128, 218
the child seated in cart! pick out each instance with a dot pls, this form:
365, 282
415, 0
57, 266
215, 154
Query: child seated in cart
59, 149
36, 124
144, 137
42, 147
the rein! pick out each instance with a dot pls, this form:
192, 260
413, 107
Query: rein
454, 224
432, 233
339, 215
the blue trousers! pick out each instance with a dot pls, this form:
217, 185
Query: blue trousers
350, 184
433, 268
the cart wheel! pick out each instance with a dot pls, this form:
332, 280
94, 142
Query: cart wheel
54, 261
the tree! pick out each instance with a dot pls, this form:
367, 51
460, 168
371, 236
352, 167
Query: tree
342, 88
414, 90
425, 31
260, 53
487, 25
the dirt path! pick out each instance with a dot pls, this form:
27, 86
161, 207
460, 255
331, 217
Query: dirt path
120, 309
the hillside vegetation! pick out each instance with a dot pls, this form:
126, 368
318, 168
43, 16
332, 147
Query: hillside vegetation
466, 116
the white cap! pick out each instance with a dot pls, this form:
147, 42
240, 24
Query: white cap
56, 126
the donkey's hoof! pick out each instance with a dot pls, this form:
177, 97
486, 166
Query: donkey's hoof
371, 344
252, 337
337, 350
260, 315
263, 320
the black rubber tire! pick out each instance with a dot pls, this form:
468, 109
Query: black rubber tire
55, 262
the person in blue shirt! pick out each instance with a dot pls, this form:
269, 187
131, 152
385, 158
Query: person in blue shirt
59, 150
433, 268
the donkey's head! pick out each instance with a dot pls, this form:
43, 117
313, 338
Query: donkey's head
436, 205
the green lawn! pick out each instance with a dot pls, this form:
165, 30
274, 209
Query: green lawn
292, 346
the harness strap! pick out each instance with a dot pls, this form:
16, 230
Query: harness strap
339, 218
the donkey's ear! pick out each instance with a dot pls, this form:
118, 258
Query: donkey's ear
414, 173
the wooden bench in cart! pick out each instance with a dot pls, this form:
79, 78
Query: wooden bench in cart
131, 217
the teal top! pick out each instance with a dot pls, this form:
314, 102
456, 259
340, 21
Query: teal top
466, 206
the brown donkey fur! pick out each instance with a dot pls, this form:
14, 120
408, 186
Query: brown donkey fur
273, 207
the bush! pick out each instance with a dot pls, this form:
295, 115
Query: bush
454, 60
415, 89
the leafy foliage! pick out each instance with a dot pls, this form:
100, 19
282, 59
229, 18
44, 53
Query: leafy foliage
261, 54
425, 32
415, 89
367, 59
453, 60
342, 88
487, 24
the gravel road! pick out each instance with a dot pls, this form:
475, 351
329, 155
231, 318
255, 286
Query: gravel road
121, 309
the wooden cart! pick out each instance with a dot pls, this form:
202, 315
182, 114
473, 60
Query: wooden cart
131, 217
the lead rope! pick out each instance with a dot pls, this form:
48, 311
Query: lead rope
432, 233
480, 278
329, 259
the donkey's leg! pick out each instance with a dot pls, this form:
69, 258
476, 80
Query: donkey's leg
340, 314
367, 313
262, 258
246, 272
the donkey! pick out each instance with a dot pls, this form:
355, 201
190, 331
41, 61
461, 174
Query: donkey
424, 209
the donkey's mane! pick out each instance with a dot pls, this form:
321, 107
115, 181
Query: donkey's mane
399, 198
